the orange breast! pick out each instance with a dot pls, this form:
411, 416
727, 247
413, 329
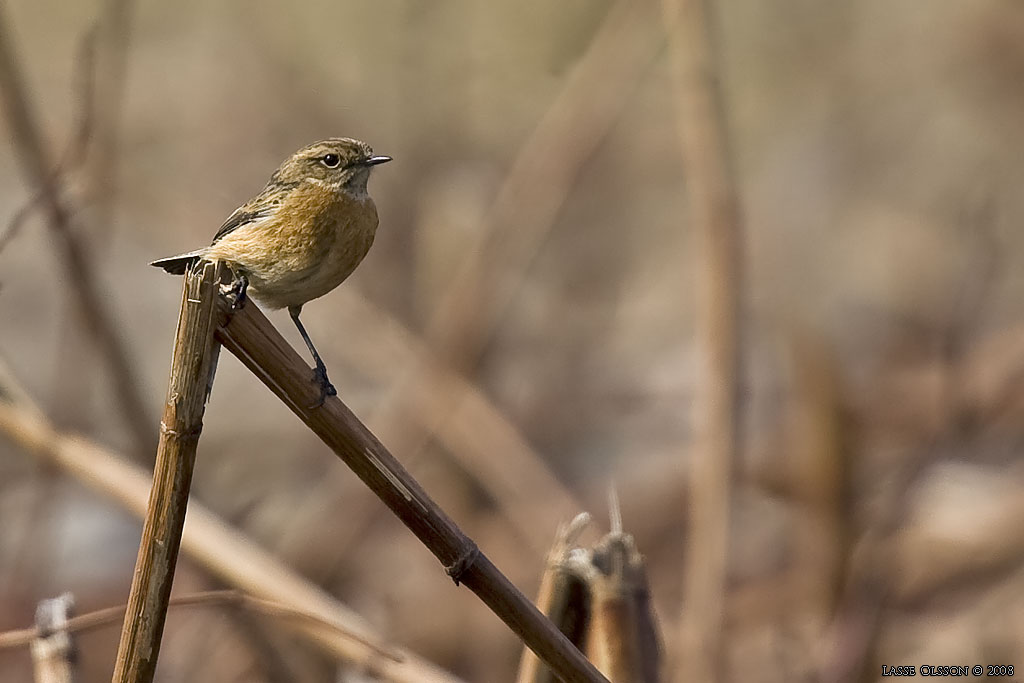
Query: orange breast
307, 248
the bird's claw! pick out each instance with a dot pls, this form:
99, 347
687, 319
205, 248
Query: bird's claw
326, 388
237, 292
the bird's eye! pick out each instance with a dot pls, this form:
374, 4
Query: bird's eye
331, 160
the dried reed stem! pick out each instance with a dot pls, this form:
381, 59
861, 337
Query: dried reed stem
215, 545
250, 336
189, 385
84, 285
714, 214
563, 597
599, 598
623, 634
219, 598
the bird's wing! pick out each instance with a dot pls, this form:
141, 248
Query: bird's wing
241, 216
261, 206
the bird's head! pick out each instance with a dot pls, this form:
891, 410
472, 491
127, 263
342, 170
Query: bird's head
338, 163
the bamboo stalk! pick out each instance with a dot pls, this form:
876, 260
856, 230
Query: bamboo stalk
249, 335
217, 546
187, 390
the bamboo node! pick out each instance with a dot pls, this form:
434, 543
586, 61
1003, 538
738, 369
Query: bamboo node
463, 563
192, 433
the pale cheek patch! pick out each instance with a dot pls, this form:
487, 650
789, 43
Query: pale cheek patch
333, 187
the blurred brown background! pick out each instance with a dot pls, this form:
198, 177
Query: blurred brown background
879, 155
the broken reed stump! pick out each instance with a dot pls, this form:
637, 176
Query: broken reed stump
563, 597
53, 649
207, 320
195, 352
600, 599
624, 641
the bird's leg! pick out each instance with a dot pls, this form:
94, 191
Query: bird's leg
320, 372
237, 291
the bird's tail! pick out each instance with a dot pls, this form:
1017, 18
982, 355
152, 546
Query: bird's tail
177, 265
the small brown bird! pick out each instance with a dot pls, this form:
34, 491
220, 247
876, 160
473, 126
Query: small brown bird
302, 235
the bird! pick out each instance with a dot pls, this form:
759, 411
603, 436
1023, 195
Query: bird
301, 236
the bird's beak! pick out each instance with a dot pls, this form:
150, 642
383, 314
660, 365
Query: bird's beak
373, 161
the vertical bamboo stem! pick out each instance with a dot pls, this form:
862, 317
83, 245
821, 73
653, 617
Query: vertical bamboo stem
191, 375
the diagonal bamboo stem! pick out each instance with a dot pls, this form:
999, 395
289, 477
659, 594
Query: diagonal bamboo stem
250, 336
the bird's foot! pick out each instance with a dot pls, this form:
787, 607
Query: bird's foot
237, 293
326, 388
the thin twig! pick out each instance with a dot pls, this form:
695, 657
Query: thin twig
61, 218
72, 156
252, 339
114, 30
20, 217
73, 374
75, 151
230, 598
714, 213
